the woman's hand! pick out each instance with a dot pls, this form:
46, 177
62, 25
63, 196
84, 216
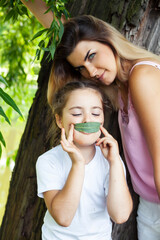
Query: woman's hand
69, 146
108, 145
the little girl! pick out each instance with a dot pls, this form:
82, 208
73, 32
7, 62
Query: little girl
82, 180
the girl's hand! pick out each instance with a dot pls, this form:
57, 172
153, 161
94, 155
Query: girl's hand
69, 146
109, 146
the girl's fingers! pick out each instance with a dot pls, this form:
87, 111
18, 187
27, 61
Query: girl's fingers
104, 131
103, 141
70, 134
63, 136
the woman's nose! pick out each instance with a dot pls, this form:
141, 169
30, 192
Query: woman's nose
92, 70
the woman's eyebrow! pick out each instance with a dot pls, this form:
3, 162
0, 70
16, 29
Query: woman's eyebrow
87, 55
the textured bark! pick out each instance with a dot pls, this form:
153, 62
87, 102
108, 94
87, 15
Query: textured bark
140, 22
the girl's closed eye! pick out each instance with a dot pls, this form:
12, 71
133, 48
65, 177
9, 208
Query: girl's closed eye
76, 114
96, 114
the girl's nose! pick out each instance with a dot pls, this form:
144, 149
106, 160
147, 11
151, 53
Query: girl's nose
87, 118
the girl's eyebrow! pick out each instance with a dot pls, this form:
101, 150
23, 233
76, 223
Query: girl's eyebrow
78, 107
75, 107
97, 107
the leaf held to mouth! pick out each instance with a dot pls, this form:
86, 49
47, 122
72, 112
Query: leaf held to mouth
87, 127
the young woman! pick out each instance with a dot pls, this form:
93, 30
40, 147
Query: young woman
82, 180
131, 76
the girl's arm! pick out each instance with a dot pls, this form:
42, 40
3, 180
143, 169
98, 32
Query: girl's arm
144, 84
38, 8
119, 201
63, 204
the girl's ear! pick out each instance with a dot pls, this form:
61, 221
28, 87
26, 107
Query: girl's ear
58, 121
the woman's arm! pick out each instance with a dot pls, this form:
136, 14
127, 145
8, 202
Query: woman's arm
144, 86
38, 8
63, 204
119, 201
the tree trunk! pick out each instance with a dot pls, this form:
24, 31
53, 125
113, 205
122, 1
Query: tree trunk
139, 21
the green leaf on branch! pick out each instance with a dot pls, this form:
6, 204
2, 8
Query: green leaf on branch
0, 151
3, 80
61, 30
10, 101
2, 139
38, 34
2, 113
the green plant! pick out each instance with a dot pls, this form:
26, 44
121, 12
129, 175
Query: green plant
8, 100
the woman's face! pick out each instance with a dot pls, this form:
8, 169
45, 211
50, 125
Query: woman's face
83, 105
94, 60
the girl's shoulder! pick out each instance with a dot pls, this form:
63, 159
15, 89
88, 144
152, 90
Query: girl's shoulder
52, 155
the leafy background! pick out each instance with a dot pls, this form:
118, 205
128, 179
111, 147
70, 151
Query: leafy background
23, 41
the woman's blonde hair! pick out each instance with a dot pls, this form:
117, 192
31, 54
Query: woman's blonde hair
87, 27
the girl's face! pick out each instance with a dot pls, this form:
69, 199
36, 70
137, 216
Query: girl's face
83, 105
94, 60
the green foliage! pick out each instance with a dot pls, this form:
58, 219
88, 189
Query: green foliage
15, 9
8, 100
55, 32
23, 40
16, 55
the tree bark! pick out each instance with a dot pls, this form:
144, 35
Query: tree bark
139, 21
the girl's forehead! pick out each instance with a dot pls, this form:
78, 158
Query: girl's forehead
86, 95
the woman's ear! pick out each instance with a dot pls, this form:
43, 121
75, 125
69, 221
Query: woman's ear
58, 121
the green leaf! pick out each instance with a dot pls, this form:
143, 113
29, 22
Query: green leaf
52, 50
3, 80
2, 113
0, 151
2, 139
87, 127
10, 101
61, 30
10, 15
3, 2
38, 34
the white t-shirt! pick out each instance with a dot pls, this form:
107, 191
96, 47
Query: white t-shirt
91, 221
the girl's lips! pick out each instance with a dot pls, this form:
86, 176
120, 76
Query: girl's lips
83, 132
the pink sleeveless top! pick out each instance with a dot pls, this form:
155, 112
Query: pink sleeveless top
135, 148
